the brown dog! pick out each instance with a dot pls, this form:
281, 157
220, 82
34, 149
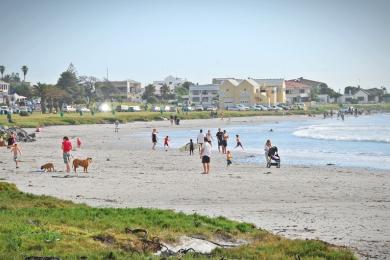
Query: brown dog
48, 167
83, 163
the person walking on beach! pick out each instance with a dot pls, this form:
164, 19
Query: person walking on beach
166, 143
116, 126
205, 155
201, 139
229, 158
15, 150
209, 137
66, 149
239, 144
154, 138
191, 147
224, 141
219, 136
267, 146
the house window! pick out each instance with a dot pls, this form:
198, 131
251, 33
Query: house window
288, 91
195, 99
214, 92
205, 99
204, 92
195, 92
361, 98
301, 91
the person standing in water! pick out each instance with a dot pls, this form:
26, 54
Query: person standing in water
154, 138
239, 144
209, 137
219, 136
200, 139
224, 141
166, 143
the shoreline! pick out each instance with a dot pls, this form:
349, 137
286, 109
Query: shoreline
339, 205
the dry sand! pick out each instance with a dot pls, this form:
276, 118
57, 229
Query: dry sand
343, 206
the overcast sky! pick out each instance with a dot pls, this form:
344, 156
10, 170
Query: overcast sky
337, 42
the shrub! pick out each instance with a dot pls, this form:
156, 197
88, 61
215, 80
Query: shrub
24, 113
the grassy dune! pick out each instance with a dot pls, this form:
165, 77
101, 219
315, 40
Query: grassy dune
45, 226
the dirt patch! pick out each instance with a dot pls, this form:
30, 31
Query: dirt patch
105, 239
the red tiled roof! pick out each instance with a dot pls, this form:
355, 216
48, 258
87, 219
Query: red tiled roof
295, 84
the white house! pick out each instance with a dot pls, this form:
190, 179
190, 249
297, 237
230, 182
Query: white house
360, 95
171, 81
130, 89
205, 95
4, 91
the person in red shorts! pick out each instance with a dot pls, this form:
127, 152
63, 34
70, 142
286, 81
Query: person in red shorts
66, 149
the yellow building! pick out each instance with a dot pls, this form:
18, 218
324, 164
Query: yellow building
252, 91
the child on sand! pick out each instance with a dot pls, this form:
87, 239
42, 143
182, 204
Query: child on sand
239, 144
191, 147
15, 151
78, 140
166, 143
229, 158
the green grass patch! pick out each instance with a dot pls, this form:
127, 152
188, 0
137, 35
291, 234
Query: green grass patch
45, 226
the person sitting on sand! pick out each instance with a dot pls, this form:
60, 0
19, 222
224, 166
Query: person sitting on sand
166, 143
191, 147
267, 146
15, 150
205, 155
239, 144
229, 158
154, 138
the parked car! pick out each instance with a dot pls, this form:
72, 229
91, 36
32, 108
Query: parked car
299, 106
198, 108
211, 108
24, 109
68, 109
187, 108
134, 109
275, 108
4, 110
122, 108
83, 109
156, 109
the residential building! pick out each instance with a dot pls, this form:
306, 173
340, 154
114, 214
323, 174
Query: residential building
252, 91
205, 95
363, 96
219, 81
171, 81
297, 91
355, 96
4, 91
129, 89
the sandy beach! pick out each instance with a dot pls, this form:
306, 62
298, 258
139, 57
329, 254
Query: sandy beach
343, 206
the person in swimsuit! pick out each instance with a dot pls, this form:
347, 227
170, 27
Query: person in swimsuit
166, 143
224, 141
15, 151
219, 136
239, 144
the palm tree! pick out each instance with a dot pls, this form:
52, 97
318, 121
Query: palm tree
40, 90
2, 69
24, 70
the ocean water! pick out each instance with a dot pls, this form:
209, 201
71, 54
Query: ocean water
362, 141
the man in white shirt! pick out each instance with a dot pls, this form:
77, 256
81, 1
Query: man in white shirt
200, 139
205, 155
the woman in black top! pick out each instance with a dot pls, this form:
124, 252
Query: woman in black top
154, 138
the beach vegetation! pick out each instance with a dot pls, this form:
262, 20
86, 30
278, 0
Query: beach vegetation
44, 226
